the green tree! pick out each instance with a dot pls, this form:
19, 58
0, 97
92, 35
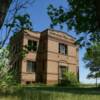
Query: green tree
92, 60
14, 23
81, 15
14, 12
5, 78
21, 23
4, 61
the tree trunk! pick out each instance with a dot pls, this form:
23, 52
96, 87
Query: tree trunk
97, 5
4, 5
96, 82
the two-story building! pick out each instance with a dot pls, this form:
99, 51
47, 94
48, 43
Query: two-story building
51, 54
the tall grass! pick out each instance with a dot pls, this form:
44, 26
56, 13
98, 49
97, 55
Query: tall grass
51, 93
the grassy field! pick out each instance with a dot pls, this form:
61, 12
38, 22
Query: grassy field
50, 93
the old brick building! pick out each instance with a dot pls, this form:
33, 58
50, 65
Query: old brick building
53, 53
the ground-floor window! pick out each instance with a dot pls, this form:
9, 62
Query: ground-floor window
31, 66
62, 72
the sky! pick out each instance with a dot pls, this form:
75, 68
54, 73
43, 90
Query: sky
41, 21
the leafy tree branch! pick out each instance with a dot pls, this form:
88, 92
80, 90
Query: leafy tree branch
82, 15
14, 11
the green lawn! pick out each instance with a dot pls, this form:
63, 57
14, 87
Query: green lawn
50, 93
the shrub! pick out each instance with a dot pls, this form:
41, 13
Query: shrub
6, 76
70, 79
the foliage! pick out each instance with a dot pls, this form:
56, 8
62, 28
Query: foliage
4, 61
81, 16
7, 80
6, 76
15, 19
92, 60
70, 79
21, 22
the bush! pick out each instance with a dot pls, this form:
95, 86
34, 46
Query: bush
70, 79
7, 80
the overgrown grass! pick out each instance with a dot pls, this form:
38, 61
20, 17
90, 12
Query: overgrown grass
49, 93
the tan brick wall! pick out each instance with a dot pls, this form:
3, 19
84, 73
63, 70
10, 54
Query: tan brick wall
53, 46
55, 59
25, 77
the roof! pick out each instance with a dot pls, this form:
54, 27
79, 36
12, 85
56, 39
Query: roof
60, 32
56, 31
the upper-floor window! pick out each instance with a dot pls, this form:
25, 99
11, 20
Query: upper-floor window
32, 45
63, 48
31, 66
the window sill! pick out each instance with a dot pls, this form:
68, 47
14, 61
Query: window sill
30, 72
63, 54
32, 51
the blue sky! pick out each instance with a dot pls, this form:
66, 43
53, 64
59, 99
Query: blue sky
41, 21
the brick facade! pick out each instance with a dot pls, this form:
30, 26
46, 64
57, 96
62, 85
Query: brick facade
47, 57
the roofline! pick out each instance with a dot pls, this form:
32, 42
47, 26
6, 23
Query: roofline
55, 31
60, 32
32, 31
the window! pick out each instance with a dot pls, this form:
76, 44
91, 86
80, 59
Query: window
62, 71
31, 66
62, 48
32, 45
